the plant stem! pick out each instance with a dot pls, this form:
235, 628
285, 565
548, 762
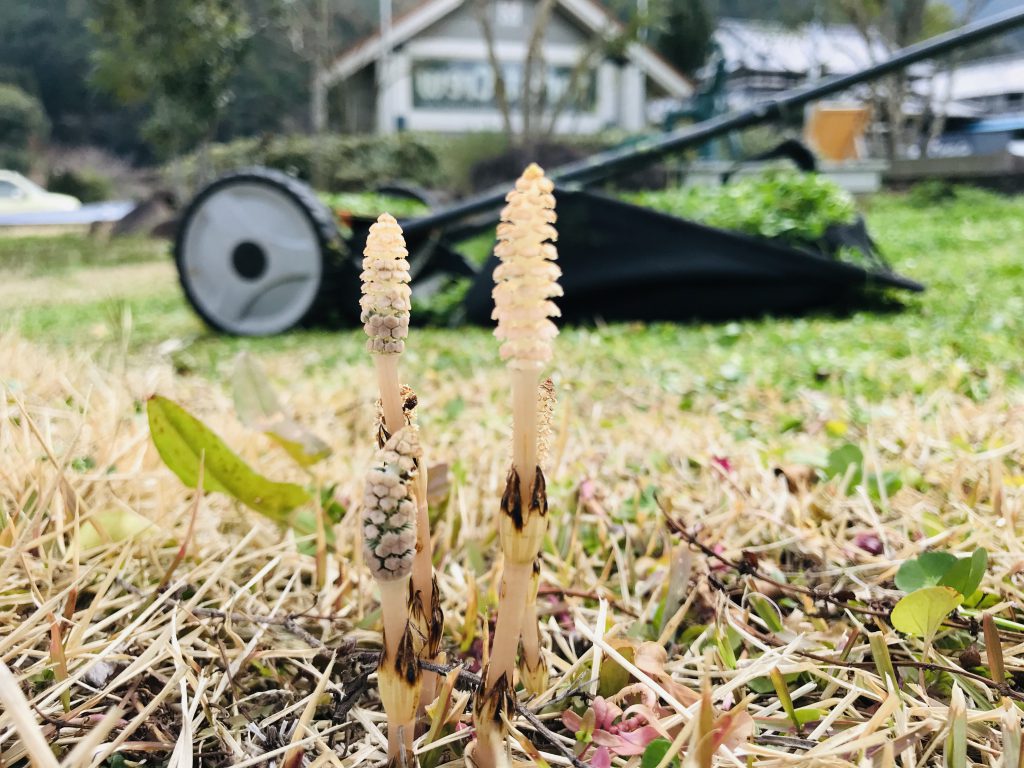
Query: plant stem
423, 586
524, 426
390, 392
515, 587
532, 669
398, 694
422, 565
395, 612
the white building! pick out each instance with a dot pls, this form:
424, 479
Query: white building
763, 58
432, 70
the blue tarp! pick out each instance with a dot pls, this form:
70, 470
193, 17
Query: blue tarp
92, 213
1003, 123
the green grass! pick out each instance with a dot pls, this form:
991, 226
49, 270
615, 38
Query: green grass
963, 333
54, 255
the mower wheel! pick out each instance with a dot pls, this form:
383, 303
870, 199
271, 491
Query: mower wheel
251, 251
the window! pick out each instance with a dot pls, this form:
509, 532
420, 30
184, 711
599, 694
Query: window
8, 190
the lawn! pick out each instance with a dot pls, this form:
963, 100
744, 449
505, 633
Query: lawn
807, 459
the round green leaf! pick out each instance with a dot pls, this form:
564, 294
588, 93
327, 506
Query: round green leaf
926, 570
965, 575
922, 612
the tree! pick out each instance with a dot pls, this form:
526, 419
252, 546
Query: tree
533, 108
176, 56
685, 36
22, 124
893, 24
45, 49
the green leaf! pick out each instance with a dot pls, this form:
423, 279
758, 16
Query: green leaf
926, 570
114, 525
841, 459
655, 753
806, 715
766, 609
255, 401
725, 649
181, 439
305, 448
922, 612
890, 481
258, 408
966, 574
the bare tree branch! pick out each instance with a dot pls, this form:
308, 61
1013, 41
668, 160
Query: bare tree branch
533, 51
481, 7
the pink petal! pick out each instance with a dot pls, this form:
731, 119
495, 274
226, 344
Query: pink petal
606, 712
601, 759
587, 491
571, 720
635, 742
604, 739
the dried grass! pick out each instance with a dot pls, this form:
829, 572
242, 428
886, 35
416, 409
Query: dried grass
241, 661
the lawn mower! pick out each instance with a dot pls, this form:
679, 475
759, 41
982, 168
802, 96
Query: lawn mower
257, 252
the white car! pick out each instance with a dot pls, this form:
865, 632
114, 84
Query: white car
19, 195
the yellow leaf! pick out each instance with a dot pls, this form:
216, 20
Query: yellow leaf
922, 612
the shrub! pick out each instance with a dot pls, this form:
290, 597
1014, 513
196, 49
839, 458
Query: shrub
88, 185
359, 163
331, 163
22, 123
788, 205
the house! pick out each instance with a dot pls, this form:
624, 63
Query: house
432, 70
985, 99
762, 58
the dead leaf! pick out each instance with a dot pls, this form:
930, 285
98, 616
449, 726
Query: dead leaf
799, 477
651, 659
439, 484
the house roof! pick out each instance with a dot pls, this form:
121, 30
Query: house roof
989, 77
586, 12
834, 49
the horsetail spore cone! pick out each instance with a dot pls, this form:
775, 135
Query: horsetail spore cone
527, 278
389, 508
526, 281
389, 545
385, 307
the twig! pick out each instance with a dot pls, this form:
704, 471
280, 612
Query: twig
749, 569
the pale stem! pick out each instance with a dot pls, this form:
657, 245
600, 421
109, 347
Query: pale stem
515, 588
394, 607
422, 564
524, 426
490, 747
390, 392
423, 573
399, 738
531, 628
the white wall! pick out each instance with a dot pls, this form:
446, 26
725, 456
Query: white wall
619, 90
